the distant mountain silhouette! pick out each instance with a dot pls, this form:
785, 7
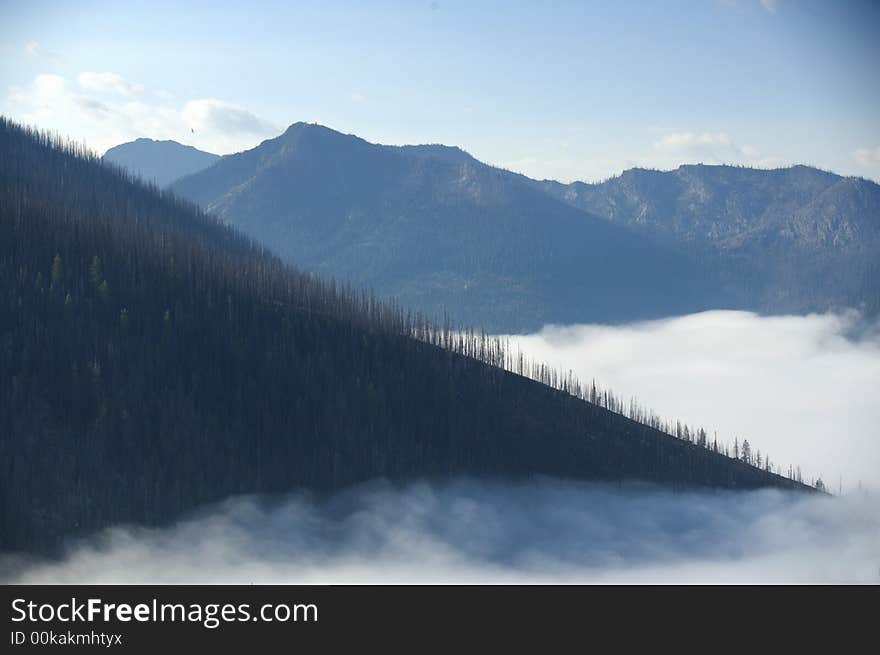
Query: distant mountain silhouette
437, 230
160, 162
794, 239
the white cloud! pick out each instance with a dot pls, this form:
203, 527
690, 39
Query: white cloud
467, 531
800, 388
47, 96
685, 141
868, 156
358, 97
771, 6
36, 51
109, 82
687, 147
105, 110
48, 86
867, 163
215, 115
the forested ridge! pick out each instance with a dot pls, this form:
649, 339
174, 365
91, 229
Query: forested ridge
786, 240
153, 360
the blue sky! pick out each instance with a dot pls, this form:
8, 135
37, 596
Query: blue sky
578, 90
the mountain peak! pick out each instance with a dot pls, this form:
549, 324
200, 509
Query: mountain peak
302, 129
160, 162
312, 135
301, 126
323, 135
170, 143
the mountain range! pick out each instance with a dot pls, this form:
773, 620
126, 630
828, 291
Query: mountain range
433, 228
436, 230
794, 239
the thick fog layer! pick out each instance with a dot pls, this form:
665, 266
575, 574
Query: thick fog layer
471, 531
803, 389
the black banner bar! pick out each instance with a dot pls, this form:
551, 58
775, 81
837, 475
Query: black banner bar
180, 618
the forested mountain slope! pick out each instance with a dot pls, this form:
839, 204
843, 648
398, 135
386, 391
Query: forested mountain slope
437, 230
153, 360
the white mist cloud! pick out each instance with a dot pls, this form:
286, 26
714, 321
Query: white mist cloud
684, 141
868, 156
676, 148
467, 531
36, 51
803, 389
868, 160
224, 120
109, 82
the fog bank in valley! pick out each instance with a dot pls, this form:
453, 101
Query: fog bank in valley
471, 531
803, 389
